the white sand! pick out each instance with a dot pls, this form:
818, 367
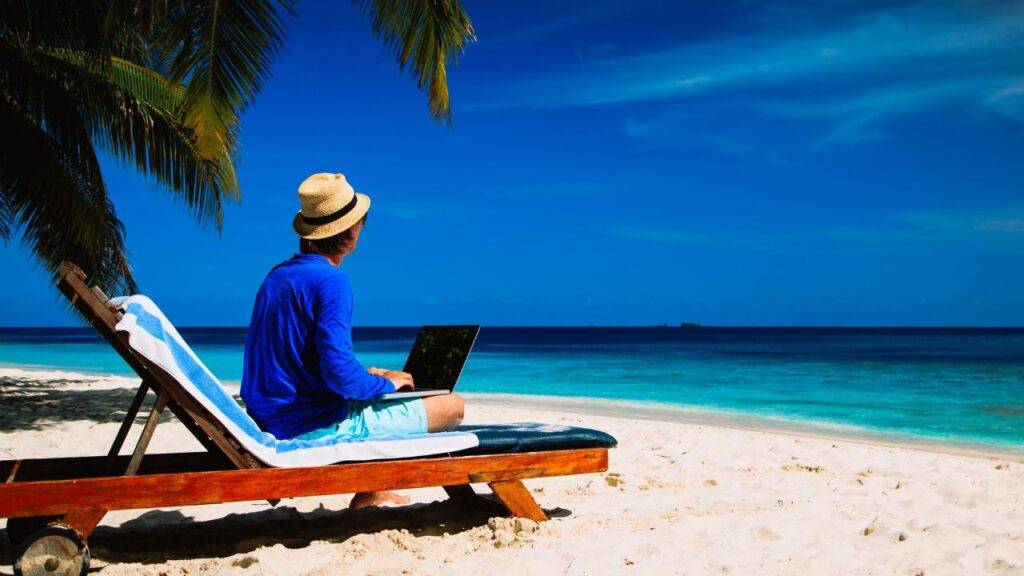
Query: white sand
680, 498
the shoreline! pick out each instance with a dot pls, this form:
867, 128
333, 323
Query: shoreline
698, 416
660, 412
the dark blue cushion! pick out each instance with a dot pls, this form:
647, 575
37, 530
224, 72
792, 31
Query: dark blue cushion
533, 437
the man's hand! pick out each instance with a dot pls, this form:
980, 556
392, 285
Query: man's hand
401, 380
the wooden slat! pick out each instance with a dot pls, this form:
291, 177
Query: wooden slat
151, 491
9, 470
147, 433
503, 476
129, 419
37, 469
514, 495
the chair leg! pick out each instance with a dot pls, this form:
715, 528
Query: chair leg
83, 520
147, 433
518, 500
129, 419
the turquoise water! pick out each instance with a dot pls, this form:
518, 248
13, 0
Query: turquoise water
957, 385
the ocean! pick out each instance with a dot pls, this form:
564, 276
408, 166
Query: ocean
955, 386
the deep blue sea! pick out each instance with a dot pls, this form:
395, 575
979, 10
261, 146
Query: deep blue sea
963, 386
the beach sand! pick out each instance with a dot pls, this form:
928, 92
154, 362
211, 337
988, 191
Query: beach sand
680, 497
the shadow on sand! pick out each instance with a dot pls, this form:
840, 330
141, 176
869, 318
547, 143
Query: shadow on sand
35, 405
161, 535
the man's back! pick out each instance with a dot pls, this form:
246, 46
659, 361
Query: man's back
299, 367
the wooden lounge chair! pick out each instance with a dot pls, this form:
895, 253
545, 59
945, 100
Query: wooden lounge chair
53, 504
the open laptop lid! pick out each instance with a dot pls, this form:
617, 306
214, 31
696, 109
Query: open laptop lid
439, 354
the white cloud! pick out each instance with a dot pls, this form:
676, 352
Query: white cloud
1011, 225
1009, 221
1001, 230
856, 116
1009, 101
854, 76
914, 37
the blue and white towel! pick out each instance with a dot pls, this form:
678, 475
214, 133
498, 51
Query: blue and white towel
155, 338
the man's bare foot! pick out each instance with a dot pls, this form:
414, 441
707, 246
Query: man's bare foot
367, 499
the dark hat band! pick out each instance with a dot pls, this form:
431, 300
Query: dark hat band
317, 221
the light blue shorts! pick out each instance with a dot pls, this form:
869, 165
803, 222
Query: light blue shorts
375, 419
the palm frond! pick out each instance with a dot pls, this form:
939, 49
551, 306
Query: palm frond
159, 144
139, 81
146, 84
137, 16
75, 105
34, 92
70, 23
6, 218
129, 25
425, 35
223, 50
57, 200
134, 112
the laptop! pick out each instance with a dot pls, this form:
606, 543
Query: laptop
436, 360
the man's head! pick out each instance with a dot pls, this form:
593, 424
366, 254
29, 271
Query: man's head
337, 245
331, 217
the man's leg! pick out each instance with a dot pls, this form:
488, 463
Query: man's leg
443, 412
384, 498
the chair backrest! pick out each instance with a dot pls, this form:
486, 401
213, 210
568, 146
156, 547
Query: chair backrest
97, 311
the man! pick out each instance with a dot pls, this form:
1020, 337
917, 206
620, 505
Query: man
301, 378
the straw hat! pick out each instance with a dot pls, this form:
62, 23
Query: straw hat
329, 206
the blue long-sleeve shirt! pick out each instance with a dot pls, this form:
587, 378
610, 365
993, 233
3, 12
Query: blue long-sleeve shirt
299, 366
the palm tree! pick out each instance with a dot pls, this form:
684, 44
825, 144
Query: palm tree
160, 84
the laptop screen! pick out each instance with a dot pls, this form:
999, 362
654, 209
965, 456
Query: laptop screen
438, 356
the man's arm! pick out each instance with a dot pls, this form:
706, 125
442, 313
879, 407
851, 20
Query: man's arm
338, 364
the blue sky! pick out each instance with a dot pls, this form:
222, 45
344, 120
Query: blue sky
610, 163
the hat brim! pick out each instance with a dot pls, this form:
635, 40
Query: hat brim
319, 231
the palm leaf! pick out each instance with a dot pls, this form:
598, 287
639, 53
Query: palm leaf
134, 112
28, 87
223, 50
146, 85
141, 82
7, 217
70, 23
158, 143
425, 35
56, 199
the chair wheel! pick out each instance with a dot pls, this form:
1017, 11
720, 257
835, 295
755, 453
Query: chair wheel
18, 529
52, 551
